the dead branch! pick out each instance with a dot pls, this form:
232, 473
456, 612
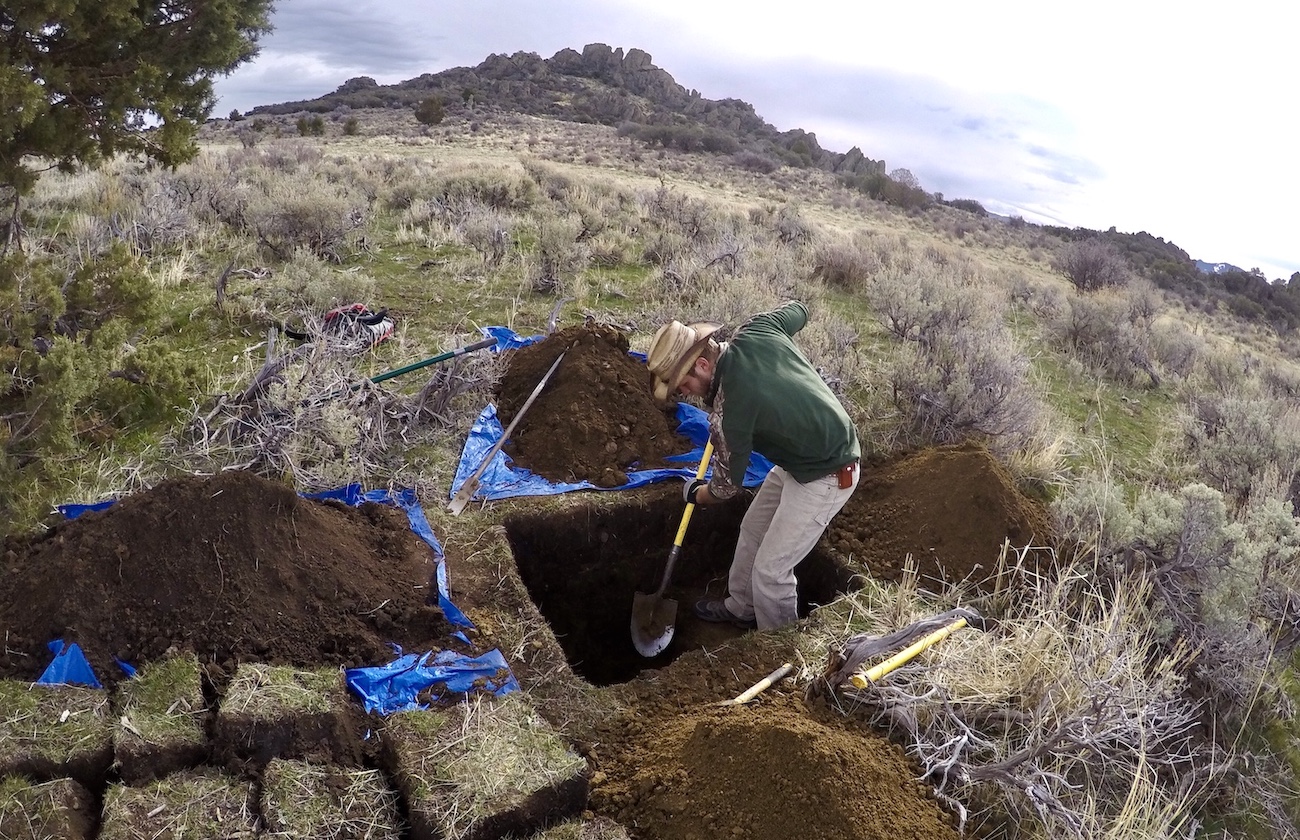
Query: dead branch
221, 285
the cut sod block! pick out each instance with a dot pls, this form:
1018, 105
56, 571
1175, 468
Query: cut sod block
199, 804
482, 770
324, 802
55, 731
159, 726
56, 810
271, 711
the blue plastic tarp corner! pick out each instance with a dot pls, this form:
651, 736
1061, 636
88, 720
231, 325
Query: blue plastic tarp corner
69, 666
396, 687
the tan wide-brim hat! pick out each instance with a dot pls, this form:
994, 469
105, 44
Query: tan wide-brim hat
673, 351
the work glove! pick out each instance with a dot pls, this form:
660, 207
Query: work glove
691, 487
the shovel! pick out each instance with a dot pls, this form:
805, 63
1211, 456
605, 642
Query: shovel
654, 617
470, 486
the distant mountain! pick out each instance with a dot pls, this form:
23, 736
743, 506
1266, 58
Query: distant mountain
605, 86
1216, 268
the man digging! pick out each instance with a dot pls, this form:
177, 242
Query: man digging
763, 396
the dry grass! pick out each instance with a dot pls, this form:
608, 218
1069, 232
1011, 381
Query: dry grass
189, 804
1064, 709
54, 723
475, 760
163, 703
44, 811
595, 829
303, 801
271, 690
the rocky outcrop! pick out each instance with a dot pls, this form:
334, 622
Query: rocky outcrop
854, 162
356, 84
599, 84
635, 72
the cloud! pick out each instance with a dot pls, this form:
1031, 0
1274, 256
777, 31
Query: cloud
1014, 152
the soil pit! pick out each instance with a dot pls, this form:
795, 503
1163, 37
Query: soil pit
584, 567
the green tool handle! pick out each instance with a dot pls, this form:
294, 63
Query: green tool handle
441, 357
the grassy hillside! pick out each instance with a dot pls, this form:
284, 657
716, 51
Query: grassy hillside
143, 337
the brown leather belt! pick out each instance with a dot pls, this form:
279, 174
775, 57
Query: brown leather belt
846, 473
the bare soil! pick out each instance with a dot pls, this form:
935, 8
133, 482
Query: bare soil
597, 417
238, 568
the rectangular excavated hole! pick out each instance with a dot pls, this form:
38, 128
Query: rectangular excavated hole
583, 567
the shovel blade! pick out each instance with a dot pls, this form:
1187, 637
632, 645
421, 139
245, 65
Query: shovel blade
654, 618
462, 499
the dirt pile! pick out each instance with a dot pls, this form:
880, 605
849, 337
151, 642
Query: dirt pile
596, 419
950, 508
774, 771
232, 567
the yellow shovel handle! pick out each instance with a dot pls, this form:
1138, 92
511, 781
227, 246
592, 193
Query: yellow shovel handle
690, 506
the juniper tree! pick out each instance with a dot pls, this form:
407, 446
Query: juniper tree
82, 80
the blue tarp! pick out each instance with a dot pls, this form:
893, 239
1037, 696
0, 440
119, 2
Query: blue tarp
384, 688
394, 687
69, 666
502, 479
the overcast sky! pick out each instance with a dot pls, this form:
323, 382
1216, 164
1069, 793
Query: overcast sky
1176, 118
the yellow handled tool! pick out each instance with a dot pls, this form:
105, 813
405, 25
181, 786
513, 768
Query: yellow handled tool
654, 617
864, 679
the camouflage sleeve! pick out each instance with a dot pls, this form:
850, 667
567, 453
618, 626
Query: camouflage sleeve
721, 485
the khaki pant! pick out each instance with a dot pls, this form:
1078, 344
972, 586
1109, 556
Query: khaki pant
781, 527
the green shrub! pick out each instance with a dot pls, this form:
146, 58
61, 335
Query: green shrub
558, 258
487, 232
497, 189
82, 366
1245, 445
313, 126
289, 214
843, 266
430, 111
964, 385
927, 302
1105, 336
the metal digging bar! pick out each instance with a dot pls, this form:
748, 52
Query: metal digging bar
470, 486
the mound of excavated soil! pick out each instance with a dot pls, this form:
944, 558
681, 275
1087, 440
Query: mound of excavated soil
232, 567
597, 417
774, 771
949, 508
